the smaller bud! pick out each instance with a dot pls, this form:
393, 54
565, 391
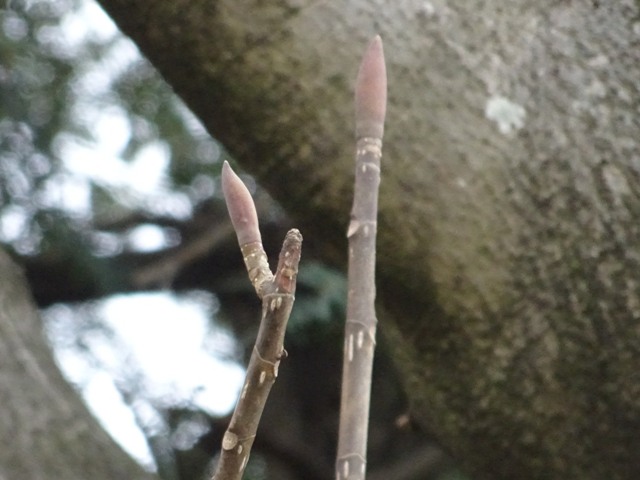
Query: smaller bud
241, 208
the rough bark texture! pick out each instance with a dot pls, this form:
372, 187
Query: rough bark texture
509, 241
46, 430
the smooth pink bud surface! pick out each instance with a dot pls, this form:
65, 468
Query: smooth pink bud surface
371, 92
241, 208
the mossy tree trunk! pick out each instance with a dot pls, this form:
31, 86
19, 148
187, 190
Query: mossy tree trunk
509, 240
47, 432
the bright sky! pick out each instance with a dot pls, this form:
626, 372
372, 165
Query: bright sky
163, 344
167, 341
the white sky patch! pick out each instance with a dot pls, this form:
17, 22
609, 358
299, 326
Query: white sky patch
13, 222
75, 195
99, 160
88, 22
102, 27
143, 182
148, 238
148, 171
163, 348
106, 403
67, 192
509, 116
111, 129
93, 163
166, 339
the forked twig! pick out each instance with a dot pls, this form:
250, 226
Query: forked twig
277, 294
360, 327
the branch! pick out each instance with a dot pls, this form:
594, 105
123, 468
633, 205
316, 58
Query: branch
164, 270
360, 327
277, 294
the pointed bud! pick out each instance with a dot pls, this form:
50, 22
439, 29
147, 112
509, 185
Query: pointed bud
371, 92
241, 208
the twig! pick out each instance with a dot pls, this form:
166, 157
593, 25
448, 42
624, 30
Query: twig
277, 294
360, 327
164, 270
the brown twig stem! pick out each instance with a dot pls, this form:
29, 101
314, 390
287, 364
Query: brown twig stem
277, 294
360, 327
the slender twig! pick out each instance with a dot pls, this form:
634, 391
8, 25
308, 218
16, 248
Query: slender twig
360, 327
277, 294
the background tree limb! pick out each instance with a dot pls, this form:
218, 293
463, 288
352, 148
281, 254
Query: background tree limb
57, 436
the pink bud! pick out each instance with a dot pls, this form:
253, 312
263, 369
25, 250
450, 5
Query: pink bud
241, 208
371, 92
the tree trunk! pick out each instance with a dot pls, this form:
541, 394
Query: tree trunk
47, 431
509, 241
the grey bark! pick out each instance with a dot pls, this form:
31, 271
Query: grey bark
509, 241
46, 431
